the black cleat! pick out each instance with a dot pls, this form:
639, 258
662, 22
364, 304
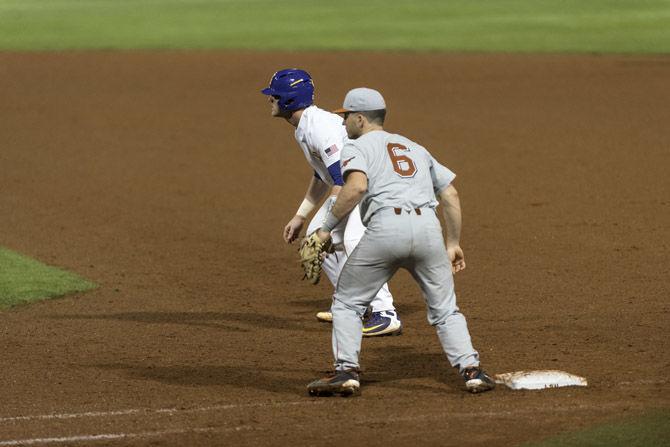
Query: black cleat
476, 380
345, 383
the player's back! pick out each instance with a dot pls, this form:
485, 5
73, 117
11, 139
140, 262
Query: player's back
401, 173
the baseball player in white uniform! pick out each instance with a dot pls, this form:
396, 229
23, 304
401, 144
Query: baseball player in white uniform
321, 137
396, 181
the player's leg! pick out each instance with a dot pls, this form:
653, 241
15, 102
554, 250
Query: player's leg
333, 263
433, 273
362, 276
382, 318
431, 268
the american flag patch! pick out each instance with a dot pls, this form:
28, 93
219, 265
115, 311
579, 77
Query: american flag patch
331, 150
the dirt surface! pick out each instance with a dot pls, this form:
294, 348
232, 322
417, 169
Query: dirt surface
162, 177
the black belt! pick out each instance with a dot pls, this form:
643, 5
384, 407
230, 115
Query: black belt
398, 211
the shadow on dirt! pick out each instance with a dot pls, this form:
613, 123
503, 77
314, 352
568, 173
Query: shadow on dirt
314, 304
399, 367
319, 304
394, 368
230, 321
276, 381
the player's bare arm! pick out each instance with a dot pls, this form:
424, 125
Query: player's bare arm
316, 189
351, 194
451, 208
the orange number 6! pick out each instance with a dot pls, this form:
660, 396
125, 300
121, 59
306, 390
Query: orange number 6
402, 164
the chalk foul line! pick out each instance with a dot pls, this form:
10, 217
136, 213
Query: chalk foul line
134, 411
112, 436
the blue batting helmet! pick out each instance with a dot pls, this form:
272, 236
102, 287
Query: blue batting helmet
293, 87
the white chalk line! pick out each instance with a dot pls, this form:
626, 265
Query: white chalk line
112, 436
132, 411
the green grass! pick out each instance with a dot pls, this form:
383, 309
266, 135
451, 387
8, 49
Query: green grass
652, 429
620, 26
23, 280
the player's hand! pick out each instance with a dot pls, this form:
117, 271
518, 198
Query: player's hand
457, 258
292, 229
323, 235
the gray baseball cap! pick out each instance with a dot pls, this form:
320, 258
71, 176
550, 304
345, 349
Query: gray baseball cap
362, 99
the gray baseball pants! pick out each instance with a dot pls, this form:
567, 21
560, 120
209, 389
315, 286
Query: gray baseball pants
348, 232
393, 241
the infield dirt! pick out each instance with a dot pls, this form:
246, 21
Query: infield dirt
162, 177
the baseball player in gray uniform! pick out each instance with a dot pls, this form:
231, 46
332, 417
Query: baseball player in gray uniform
396, 181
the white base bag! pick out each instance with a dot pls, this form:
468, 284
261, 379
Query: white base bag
538, 380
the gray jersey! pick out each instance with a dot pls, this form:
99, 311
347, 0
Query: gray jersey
401, 173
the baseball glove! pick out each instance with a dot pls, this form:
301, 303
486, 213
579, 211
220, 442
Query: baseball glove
312, 253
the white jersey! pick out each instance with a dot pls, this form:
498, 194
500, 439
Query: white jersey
322, 135
401, 173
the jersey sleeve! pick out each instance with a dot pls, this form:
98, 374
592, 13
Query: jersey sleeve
441, 175
352, 160
335, 173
